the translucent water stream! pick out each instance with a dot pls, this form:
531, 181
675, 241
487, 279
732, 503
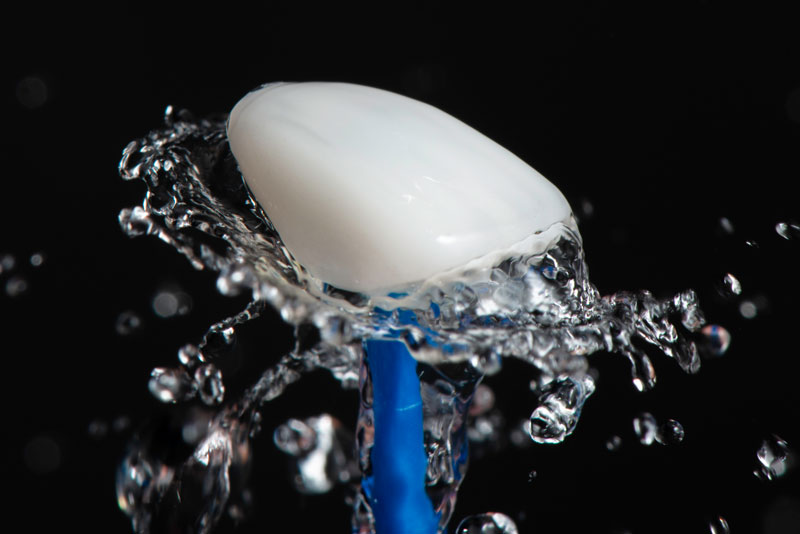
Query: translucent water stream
531, 305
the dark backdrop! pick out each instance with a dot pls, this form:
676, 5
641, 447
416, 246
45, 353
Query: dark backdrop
663, 119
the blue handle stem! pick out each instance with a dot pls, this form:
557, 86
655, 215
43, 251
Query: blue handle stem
399, 502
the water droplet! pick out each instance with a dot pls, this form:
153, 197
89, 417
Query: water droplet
646, 428
559, 409
171, 302
42, 455
774, 458
236, 278
255, 424
208, 382
748, 309
726, 225
717, 340
532, 475
587, 208
121, 424
128, 322
216, 341
488, 523
294, 437
787, 230
320, 448
485, 428
751, 243
171, 385
236, 513
97, 429
32, 92
719, 525
212, 474
37, 259
136, 221
194, 430
670, 433
7, 263
731, 286
614, 443
520, 434
16, 286
190, 356
482, 400
489, 363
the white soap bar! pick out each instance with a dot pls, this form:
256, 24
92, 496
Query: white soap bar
372, 190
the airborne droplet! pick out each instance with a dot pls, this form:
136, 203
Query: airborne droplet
731, 286
646, 428
559, 409
171, 385
16, 286
670, 433
774, 458
719, 525
614, 443
787, 230
208, 382
320, 448
717, 340
128, 322
488, 523
7, 263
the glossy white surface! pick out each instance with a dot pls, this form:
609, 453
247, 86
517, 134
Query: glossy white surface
371, 190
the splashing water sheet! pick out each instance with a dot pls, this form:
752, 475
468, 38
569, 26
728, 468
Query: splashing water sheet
534, 305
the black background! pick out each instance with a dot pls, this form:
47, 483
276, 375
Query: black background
664, 119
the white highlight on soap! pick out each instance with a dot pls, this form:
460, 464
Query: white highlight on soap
372, 191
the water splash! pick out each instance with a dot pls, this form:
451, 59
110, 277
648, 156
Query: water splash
188, 486
534, 305
320, 447
559, 409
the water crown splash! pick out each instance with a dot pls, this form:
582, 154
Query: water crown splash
529, 299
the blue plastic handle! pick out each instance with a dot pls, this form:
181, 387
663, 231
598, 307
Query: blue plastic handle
397, 485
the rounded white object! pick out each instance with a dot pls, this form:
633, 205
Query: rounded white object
371, 190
